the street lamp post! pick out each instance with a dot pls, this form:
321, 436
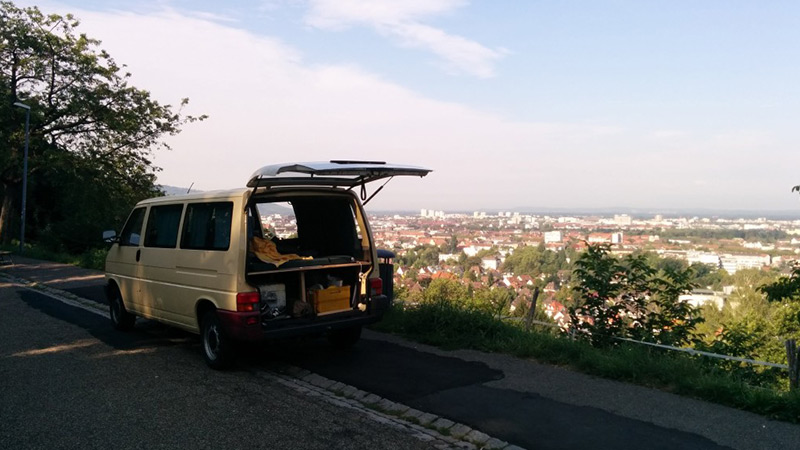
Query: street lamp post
24, 176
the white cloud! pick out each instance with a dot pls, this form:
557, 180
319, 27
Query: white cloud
268, 105
339, 14
669, 134
403, 22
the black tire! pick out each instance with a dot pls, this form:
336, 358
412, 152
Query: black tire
217, 348
346, 337
121, 319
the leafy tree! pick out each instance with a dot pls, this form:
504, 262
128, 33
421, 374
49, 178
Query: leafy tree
753, 325
671, 264
451, 245
752, 278
420, 256
534, 261
708, 276
466, 262
784, 287
86, 123
669, 320
445, 290
630, 298
495, 300
597, 315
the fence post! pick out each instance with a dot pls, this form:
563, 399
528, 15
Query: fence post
529, 318
793, 359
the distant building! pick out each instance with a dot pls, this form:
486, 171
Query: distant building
700, 297
553, 236
616, 238
491, 263
431, 213
599, 238
711, 259
734, 263
446, 256
622, 219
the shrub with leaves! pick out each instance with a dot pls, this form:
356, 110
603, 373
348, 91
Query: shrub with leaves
784, 287
630, 299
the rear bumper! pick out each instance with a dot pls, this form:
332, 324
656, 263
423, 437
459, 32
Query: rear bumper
247, 326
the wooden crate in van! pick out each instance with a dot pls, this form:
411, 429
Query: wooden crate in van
331, 299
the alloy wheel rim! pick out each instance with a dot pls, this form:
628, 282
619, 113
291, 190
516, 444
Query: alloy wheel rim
212, 342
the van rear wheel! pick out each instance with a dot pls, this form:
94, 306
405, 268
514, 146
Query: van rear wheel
217, 350
121, 319
346, 337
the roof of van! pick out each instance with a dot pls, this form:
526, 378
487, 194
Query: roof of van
202, 195
216, 195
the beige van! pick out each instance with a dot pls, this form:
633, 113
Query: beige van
291, 254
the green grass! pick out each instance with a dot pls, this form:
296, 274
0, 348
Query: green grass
90, 259
450, 326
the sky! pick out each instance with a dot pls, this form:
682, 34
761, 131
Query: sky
672, 105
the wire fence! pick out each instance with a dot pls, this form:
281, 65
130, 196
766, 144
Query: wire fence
690, 351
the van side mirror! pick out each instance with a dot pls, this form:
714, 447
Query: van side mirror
110, 237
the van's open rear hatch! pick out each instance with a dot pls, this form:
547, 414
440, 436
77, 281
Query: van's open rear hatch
339, 173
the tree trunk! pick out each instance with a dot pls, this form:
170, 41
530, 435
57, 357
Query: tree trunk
9, 214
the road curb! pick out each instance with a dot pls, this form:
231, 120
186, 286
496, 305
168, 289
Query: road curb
444, 433
58, 294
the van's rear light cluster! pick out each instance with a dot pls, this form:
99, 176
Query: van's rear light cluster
375, 286
247, 301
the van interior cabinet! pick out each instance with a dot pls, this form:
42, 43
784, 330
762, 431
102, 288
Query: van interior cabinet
327, 284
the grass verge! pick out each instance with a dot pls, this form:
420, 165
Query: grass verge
90, 259
450, 326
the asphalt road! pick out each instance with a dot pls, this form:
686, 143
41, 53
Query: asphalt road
70, 382
522, 402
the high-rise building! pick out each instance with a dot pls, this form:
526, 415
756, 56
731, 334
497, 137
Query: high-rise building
622, 219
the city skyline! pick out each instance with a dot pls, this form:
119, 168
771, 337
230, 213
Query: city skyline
583, 105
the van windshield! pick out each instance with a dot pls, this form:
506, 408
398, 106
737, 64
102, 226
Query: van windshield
310, 226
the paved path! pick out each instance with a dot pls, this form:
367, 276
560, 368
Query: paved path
519, 401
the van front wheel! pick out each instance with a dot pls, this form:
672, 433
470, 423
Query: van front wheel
121, 319
216, 345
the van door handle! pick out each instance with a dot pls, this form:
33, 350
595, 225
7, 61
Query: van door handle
138, 254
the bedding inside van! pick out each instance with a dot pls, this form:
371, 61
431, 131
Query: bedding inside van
303, 230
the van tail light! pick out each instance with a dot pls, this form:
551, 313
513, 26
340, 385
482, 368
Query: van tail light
375, 286
247, 301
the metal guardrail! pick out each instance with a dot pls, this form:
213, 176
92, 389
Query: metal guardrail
690, 351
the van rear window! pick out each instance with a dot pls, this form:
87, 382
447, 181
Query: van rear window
162, 226
207, 226
309, 225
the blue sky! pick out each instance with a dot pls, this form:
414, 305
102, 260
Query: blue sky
577, 104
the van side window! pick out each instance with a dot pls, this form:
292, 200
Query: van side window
131, 232
207, 226
162, 226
